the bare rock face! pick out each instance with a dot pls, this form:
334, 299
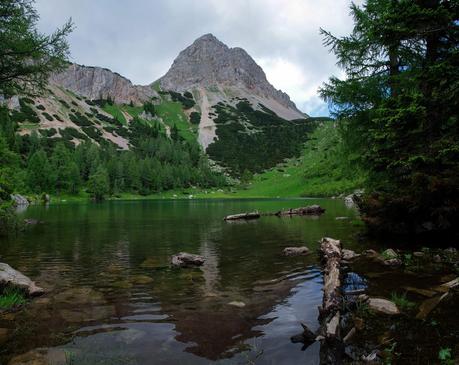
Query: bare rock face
12, 277
184, 259
209, 63
101, 83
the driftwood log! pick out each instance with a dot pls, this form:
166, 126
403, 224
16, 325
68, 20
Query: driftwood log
310, 210
234, 217
332, 347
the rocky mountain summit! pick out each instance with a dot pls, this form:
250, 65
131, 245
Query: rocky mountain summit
101, 83
208, 63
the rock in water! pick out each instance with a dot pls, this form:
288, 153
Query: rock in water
19, 200
310, 210
12, 277
383, 306
296, 251
184, 259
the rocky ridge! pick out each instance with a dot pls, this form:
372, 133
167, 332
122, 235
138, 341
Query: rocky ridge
101, 83
208, 63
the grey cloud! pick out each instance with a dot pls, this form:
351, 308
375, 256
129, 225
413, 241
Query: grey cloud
140, 39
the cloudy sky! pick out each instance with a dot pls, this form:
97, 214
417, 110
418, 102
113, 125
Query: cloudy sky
140, 38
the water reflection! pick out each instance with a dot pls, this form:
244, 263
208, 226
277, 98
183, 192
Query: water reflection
113, 296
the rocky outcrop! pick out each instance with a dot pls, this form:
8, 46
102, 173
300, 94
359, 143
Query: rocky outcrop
184, 259
101, 83
210, 63
13, 278
19, 200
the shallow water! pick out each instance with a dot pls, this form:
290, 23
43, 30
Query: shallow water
113, 299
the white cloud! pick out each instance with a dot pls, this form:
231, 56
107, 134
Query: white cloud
141, 38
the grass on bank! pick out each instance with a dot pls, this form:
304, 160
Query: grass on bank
322, 170
11, 297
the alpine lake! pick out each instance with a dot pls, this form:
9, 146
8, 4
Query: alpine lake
112, 296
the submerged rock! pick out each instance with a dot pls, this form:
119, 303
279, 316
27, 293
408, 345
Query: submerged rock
383, 306
12, 277
237, 304
184, 259
296, 251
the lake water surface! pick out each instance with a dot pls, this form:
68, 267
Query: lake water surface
113, 299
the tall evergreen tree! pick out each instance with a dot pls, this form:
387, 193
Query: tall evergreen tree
398, 109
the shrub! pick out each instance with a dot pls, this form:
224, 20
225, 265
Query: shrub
47, 116
58, 117
41, 107
195, 117
64, 103
80, 120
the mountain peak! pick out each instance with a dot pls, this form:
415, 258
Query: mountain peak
209, 37
209, 63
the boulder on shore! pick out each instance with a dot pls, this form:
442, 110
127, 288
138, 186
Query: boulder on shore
296, 251
383, 306
13, 278
184, 259
19, 200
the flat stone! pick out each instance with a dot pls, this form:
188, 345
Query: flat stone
418, 254
383, 306
237, 304
296, 251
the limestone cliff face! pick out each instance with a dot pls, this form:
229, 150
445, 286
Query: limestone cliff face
101, 83
209, 63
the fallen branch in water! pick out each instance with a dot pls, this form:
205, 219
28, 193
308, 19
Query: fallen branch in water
310, 210
252, 215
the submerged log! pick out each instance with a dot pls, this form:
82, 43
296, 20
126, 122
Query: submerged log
250, 215
329, 332
310, 210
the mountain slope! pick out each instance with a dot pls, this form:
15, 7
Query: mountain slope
215, 73
213, 95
